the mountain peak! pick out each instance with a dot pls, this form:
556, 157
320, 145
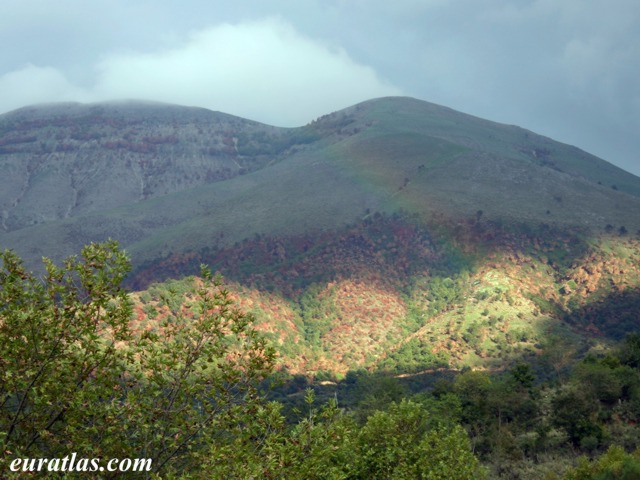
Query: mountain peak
149, 170
123, 109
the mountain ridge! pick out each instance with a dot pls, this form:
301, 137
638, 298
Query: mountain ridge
395, 234
186, 172
392, 248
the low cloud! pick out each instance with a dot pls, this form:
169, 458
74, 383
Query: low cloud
31, 84
263, 70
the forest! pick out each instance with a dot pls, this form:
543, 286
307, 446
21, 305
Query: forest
200, 393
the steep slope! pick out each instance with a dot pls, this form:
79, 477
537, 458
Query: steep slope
64, 160
389, 294
142, 174
394, 234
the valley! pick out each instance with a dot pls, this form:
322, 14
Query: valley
395, 251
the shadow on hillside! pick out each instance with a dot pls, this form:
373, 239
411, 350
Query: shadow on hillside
387, 248
612, 317
564, 342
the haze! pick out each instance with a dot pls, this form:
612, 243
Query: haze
565, 69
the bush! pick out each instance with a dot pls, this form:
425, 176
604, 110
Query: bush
74, 377
615, 464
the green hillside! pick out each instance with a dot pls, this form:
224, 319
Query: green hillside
389, 249
384, 156
422, 233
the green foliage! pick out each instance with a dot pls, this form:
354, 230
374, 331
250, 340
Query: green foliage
498, 412
320, 446
171, 293
601, 382
630, 350
399, 444
523, 375
599, 391
185, 392
73, 376
444, 293
151, 311
473, 389
59, 350
615, 464
76, 378
197, 380
415, 355
472, 335
317, 312
576, 414
375, 392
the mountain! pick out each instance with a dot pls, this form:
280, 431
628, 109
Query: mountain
395, 233
166, 178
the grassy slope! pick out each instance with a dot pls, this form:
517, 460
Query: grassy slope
519, 279
381, 155
373, 303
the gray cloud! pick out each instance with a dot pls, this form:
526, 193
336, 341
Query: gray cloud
31, 84
567, 69
264, 70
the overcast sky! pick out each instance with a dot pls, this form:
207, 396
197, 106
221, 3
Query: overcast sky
568, 69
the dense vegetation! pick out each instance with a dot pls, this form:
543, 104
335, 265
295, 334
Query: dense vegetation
391, 293
193, 385
74, 377
410, 292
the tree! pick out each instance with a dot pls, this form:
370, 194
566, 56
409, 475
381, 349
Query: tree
576, 413
184, 391
58, 346
74, 377
320, 446
523, 375
614, 464
197, 378
630, 350
400, 444
473, 389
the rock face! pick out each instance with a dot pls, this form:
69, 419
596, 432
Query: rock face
66, 160
395, 233
167, 179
